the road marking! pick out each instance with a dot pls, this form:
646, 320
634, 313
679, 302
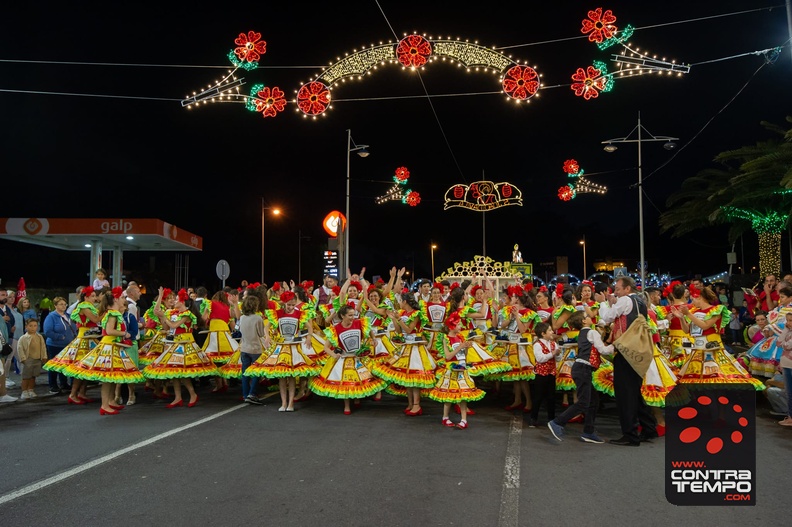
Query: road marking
33, 487
510, 495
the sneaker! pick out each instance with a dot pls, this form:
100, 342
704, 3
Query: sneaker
25, 396
10, 383
32, 394
7, 399
533, 424
777, 414
54, 391
252, 399
556, 429
591, 438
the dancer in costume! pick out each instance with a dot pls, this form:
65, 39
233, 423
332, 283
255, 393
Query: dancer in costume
545, 350
543, 307
660, 378
678, 343
455, 386
182, 360
87, 318
411, 366
219, 345
585, 302
765, 355
108, 362
351, 292
436, 312
152, 349
520, 320
383, 347
345, 375
568, 339
286, 360
709, 362
132, 327
478, 310
313, 345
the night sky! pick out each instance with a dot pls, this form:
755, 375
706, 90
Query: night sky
122, 146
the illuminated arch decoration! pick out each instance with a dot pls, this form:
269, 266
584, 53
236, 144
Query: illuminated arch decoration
397, 192
600, 26
501, 274
482, 196
579, 185
519, 82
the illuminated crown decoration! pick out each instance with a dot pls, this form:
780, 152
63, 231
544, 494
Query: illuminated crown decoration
600, 26
396, 192
482, 196
579, 185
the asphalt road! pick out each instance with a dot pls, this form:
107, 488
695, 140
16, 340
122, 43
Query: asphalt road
226, 463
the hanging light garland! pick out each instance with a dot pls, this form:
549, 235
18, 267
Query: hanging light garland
580, 183
397, 191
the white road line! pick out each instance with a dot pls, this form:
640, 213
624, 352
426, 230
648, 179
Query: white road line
510, 495
33, 487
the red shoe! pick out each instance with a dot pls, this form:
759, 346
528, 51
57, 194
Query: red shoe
456, 409
660, 430
147, 388
527, 410
116, 407
577, 419
470, 411
174, 405
413, 414
511, 407
85, 399
462, 425
72, 401
347, 412
378, 397
102, 411
407, 410
447, 422
356, 403
190, 405
564, 405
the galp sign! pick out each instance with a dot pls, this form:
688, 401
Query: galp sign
115, 226
332, 222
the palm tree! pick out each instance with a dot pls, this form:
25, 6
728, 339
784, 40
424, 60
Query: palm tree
752, 191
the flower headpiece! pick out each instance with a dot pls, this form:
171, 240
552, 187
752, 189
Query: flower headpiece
405, 291
694, 291
336, 290
308, 285
670, 288
455, 285
87, 290
166, 293
352, 305
437, 285
474, 290
356, 284
286, 296
528, 287
559, 289
514, 290
117, 291
453, 320
588, 283
276, 287
371, 288
183, 295
543, 289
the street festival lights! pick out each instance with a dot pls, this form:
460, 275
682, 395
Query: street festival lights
583, 243
433, 250
362, 152
610, 147
275, 212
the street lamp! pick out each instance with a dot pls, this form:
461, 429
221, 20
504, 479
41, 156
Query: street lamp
583, 243
275, 212
300, 238
433, 249
362, 152
611, 147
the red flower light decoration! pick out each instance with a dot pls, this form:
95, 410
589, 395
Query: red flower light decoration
571, 166
565, 193
520, 82
599, 25
413, 51
272, 102
313, 98
251, 47
588, 82
413, 199
402, 174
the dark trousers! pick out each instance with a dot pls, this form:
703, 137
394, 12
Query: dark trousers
543, 390
630, 404
587, 399
55, 377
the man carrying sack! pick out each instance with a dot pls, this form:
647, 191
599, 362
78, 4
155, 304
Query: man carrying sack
633, 340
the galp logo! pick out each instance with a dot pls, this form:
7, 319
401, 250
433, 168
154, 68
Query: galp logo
115, 226
32, 226
711, 445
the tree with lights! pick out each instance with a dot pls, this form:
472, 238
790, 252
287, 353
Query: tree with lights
753, 191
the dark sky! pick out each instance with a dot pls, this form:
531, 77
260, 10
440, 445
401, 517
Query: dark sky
126, 148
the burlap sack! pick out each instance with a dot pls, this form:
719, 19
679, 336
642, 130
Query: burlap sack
636, 345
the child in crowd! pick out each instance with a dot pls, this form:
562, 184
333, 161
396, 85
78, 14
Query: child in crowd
100, 282
785, 340
32, 351
543, 390
735, 327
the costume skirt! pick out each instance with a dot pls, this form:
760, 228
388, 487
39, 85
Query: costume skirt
152, 349
456, 385
315, 349
564, 362
73, 352
677, 353
479, 361
764, 357
659, 380
219, 345
521, 360
287, 359
181, 359
715, 366
346, 377
602, 377
383, 348
411, 366
232, 369
107, 362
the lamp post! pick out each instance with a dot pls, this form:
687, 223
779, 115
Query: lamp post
300, 238
611, 147
362, 152
433, 249
583, 243
275, 212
